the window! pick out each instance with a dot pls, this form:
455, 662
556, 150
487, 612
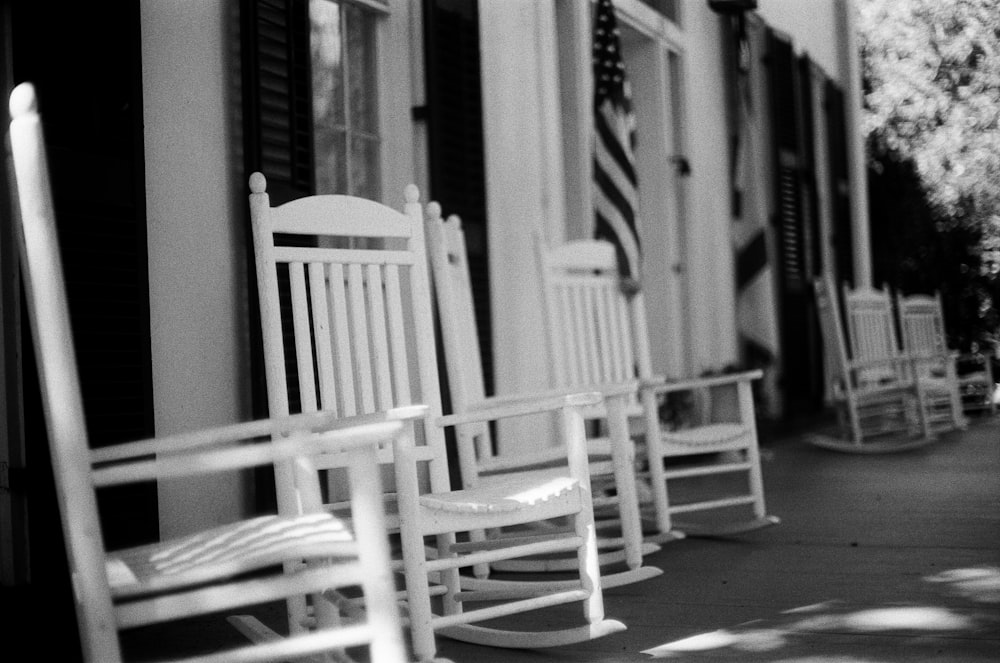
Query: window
344, 98
310, 102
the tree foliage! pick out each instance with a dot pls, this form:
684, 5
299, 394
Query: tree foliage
932, 73
932, 120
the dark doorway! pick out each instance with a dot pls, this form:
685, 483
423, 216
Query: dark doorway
84, 60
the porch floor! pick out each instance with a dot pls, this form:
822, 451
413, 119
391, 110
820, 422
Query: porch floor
855, 572
861, 541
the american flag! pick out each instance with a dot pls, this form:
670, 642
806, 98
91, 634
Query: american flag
616, 198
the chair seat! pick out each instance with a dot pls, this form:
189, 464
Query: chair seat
514, 493
227, 550
935, 386
709, 437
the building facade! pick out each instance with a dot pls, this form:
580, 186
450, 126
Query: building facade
749, 165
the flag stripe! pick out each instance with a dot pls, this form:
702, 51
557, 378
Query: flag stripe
615, 182
751, 260
614, 195
612, 146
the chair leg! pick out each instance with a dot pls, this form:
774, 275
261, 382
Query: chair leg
623, 460
658, 480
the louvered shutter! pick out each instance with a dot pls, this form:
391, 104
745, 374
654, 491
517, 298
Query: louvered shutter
277, 141
800, 360
807, 171
277, 97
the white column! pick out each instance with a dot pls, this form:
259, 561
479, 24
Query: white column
856, 160
199, 352
524, 190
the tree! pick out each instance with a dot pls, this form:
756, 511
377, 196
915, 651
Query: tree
932, 120
932, 73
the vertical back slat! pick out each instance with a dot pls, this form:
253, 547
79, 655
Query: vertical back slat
341, 335
380, 340
592, 358
569, 374
397, 335
360, 336
606, 347
615, 339
303, 346
628, 357
321, 335
579, 324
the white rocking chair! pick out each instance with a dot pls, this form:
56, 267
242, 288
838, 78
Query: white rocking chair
612, 462
955, 382
224, 568
879, 404
597, 334
361, 339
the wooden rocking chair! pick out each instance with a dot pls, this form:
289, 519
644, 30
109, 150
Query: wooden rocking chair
954, 382
921, 324
880, 406
361, 339
235, 566
612, 461
599, 335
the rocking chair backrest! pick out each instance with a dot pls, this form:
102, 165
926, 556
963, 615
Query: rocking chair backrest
597, 335
360, 317
922, 324
61, 397
871, 329
453, 284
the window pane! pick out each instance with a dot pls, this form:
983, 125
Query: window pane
668, 8
327, 62
345, 120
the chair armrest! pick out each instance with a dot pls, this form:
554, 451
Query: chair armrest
338, 437
660, 384
227, 434
521, 407
607, 389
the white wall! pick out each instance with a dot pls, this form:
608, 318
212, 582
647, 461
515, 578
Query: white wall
709, 249
195, 252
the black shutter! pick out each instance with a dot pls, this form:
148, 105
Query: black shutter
840, 190
277, 141
801, 362
85, 62
787, 162
807, 172
455, 130
93, 127
277, 96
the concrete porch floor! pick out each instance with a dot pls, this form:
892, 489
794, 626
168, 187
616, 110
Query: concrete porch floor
855, 573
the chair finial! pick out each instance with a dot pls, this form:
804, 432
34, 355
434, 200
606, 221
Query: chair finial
258, 183
23, 100
411, 193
